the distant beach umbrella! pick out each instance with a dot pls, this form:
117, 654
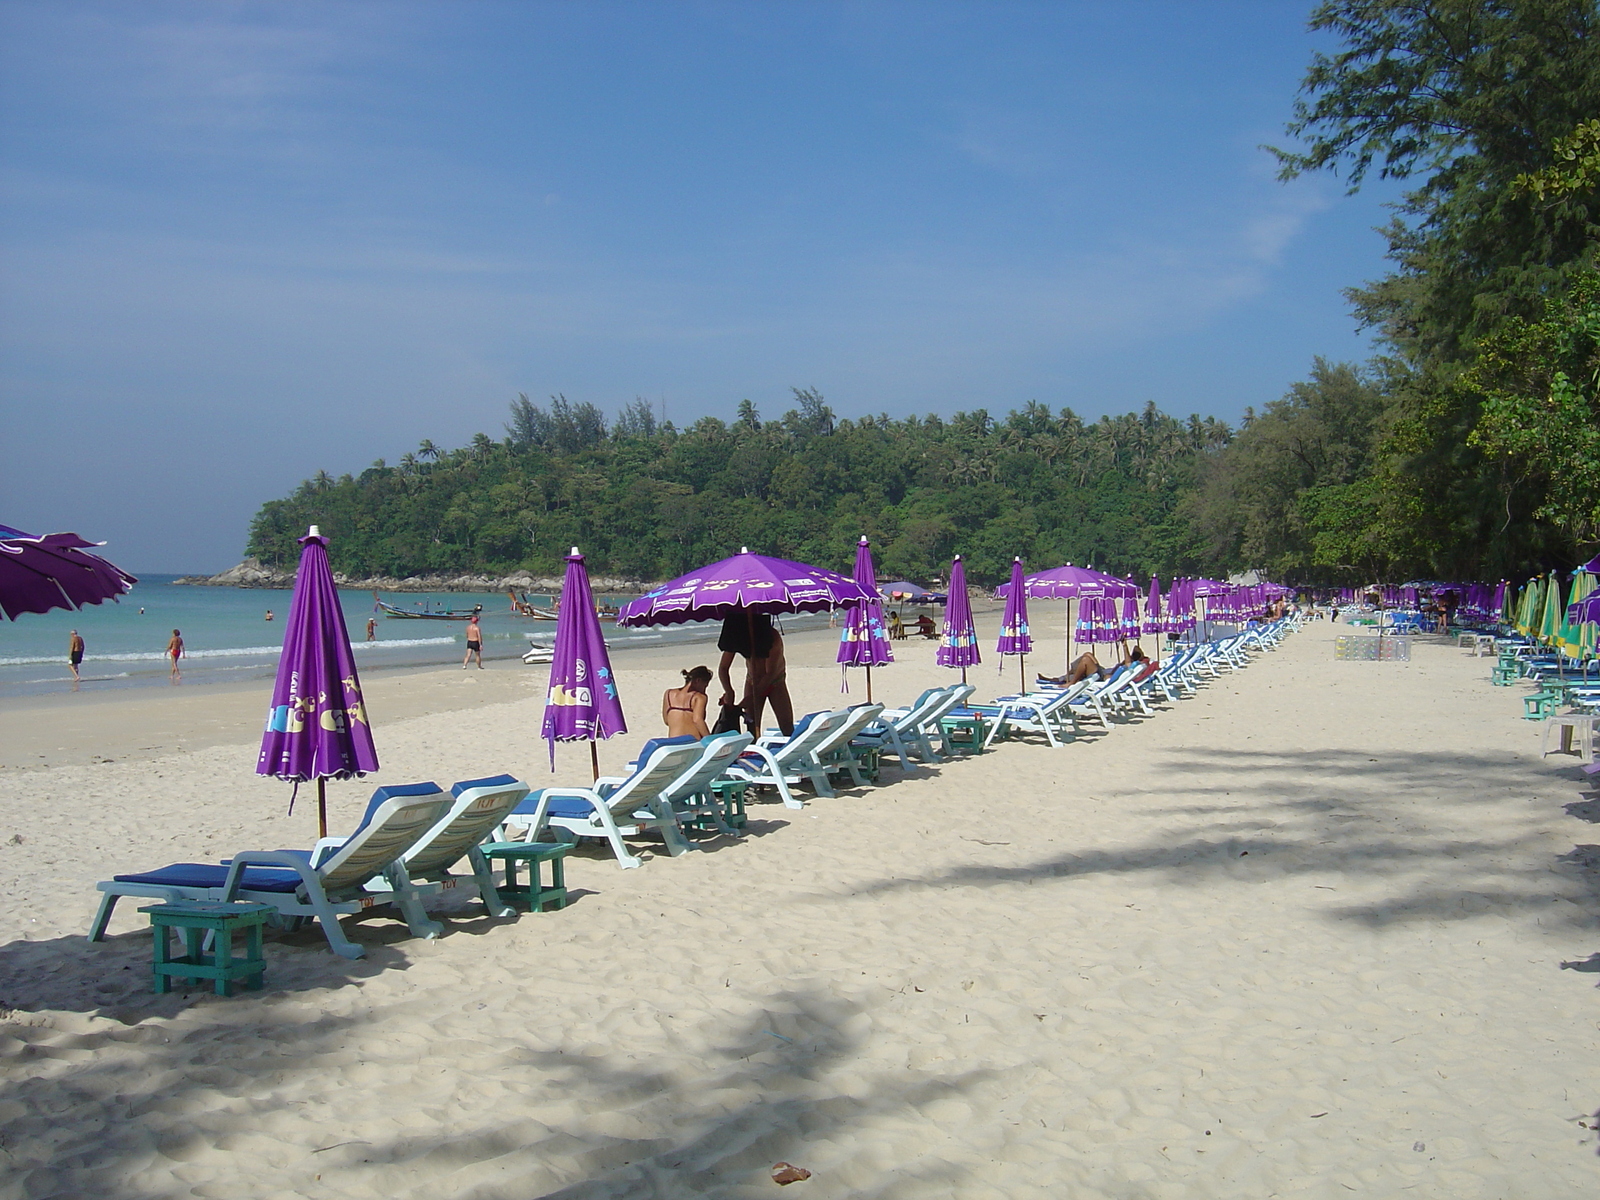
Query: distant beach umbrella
864, 641
1577, 637
1014, 638
317, 725
1549, 631
1130, 616
1077, 584
582, 704
42, 572
1154, 621
746, 582
958, 647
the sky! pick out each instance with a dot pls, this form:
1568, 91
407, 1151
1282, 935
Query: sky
243, 242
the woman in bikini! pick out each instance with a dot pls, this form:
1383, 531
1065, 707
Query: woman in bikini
683, 709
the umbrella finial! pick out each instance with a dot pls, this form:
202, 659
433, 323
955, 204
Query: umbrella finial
574, 549
863, 541
314, 531
744, 549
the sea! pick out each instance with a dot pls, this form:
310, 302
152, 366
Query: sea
227, 638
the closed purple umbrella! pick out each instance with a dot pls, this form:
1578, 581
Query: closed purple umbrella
1153, 620
317, 726
582, 703
39, 573
1014, 637
959, 645
746, 582
865, 642
1081, 584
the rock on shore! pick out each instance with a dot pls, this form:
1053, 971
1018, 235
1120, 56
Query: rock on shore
252, 573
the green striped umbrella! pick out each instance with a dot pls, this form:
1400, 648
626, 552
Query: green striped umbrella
1550, 618
1528, 606
1578, 637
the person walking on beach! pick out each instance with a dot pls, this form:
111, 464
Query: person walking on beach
175, 652
474, 644
75, 654
683, 709
372, 629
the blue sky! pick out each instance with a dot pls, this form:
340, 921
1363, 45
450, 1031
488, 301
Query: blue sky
242, 242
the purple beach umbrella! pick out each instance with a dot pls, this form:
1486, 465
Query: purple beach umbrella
959, 645
582, 704
317, 725
1014, 637
39, 573
864, 642
1153, 621
745, 582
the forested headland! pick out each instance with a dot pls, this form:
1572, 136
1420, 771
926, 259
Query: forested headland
1468, 448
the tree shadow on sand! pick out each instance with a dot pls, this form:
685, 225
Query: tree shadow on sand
117, 1112
1262, 814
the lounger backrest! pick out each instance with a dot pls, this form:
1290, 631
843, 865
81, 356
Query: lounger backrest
914, 716
659, 772
949, 698
821, 727
398, 824
479, 805
717, 754
860, 716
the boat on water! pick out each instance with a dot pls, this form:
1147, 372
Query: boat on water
523, 607
422, 614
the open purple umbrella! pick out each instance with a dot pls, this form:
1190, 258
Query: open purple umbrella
39, 573
745, 582
1080, 584
959, 645
1014, 637
582, 704
317, 726
865, 642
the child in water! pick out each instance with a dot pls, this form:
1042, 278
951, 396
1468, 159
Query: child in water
683, 709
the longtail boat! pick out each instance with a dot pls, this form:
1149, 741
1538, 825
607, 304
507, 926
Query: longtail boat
414, 614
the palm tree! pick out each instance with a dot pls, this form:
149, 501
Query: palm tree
428, 450
408, 464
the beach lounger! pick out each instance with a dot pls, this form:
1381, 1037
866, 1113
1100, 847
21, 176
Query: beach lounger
323, 885
613, 808
785, 762
478, 809
690, 795
836, 754
910, 731
1047, 711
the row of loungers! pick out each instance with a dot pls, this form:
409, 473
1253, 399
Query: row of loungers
414, 837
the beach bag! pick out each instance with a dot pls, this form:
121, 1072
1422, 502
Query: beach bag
727, 720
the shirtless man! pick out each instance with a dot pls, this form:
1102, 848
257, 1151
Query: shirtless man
75, 654
753, 637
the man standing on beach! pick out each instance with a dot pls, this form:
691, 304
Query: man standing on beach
372, 629
474, 644
75, 654
175, 652
753, 637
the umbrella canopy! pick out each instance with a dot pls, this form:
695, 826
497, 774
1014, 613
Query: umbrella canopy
959, 645
1528, 606
752, 582
40, 573
1549, 630
317, 725
1154, 622
1014, 637
582, 703
1073, 583
1577, 637
865, 642
913, 592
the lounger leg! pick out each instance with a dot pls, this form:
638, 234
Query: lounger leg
410, 905
331, 929
613, 835
487, 892
102, 916
819, 781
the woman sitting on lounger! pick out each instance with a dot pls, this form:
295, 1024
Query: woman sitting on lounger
1086, 664
684, 708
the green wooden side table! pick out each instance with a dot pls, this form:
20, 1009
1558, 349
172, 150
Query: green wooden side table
534, 895
196, 918
964, 732
730, 794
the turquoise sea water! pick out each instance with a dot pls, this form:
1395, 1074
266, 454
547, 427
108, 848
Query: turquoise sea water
227, 638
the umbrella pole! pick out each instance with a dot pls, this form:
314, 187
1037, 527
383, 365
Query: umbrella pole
322, 807
594, 760
1069, 635
869, 683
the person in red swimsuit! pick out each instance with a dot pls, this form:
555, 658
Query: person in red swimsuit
683, 709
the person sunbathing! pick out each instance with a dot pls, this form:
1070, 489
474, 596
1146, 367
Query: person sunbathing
683, 709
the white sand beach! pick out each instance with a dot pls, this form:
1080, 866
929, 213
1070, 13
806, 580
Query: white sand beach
1327, 928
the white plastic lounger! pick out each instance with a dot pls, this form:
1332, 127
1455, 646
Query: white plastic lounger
1048, 712
910, 731
324, 885
613, 808
836, 754
691, 795
785, 762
